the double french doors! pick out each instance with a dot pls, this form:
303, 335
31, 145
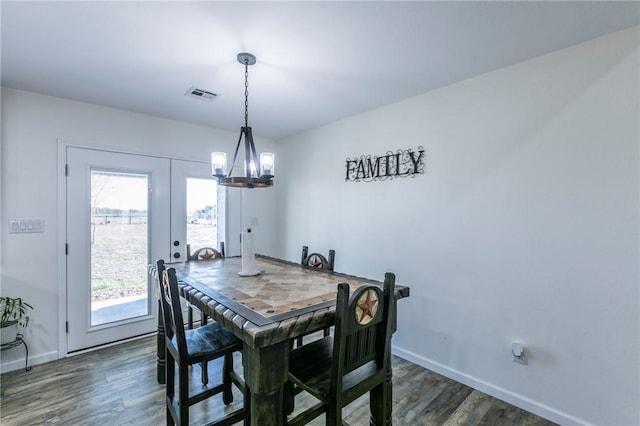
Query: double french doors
124, 211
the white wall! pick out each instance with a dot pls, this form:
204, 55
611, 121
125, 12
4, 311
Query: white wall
31, 125
524, 227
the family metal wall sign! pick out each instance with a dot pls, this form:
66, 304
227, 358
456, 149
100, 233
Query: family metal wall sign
402, 163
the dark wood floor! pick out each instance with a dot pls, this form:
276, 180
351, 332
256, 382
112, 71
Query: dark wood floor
117, 386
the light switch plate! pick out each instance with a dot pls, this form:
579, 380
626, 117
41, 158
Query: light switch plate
26, 226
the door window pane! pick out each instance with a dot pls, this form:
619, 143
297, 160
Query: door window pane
119, 246
202, 217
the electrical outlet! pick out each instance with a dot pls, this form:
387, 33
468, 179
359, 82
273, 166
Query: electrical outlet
519, 353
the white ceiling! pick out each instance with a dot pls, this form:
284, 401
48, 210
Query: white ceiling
317, 61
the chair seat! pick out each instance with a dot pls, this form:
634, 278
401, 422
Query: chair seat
310, 368
208, 340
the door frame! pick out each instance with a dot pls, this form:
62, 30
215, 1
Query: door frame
233, 227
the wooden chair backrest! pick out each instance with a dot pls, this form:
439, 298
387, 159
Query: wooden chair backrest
204, 253
165, 310
171, 308
364, 325
317, 260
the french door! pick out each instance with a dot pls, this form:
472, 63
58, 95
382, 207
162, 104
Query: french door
197, 208
117, 223
123, 212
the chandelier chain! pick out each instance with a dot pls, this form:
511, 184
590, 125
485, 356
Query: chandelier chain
246, 93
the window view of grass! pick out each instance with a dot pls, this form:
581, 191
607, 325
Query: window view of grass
122, 246
119, 258
202, 215
117, 248
119, 230
201, 236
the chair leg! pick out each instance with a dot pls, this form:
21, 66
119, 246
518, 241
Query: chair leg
299, 342
227, 368
183, 390
289, 397
204, 367
190, 317
170, 386
334, 416
327, 331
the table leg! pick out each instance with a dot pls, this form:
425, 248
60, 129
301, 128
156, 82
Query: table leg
265, 373
381, 397
161, 347
380, 403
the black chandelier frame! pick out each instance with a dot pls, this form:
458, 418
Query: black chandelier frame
250, 180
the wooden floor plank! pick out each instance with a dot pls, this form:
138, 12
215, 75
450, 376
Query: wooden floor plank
471, 411
117, 386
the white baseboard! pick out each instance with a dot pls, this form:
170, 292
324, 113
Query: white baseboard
512, 398
18, 362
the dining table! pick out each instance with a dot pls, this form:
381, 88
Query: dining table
267, 312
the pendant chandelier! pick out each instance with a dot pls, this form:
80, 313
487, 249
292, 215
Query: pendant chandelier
256, 174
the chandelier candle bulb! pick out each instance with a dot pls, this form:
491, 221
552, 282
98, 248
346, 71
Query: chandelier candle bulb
267, 162
253, 172
218, 163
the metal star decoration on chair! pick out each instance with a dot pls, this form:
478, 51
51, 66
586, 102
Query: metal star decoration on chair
367, 306
315, 261
207, 255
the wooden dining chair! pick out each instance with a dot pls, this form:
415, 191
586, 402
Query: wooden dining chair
338, 369
203, 253
188, 347
317, 261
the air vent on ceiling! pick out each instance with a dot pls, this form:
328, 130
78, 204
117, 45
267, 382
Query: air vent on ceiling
194, 92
